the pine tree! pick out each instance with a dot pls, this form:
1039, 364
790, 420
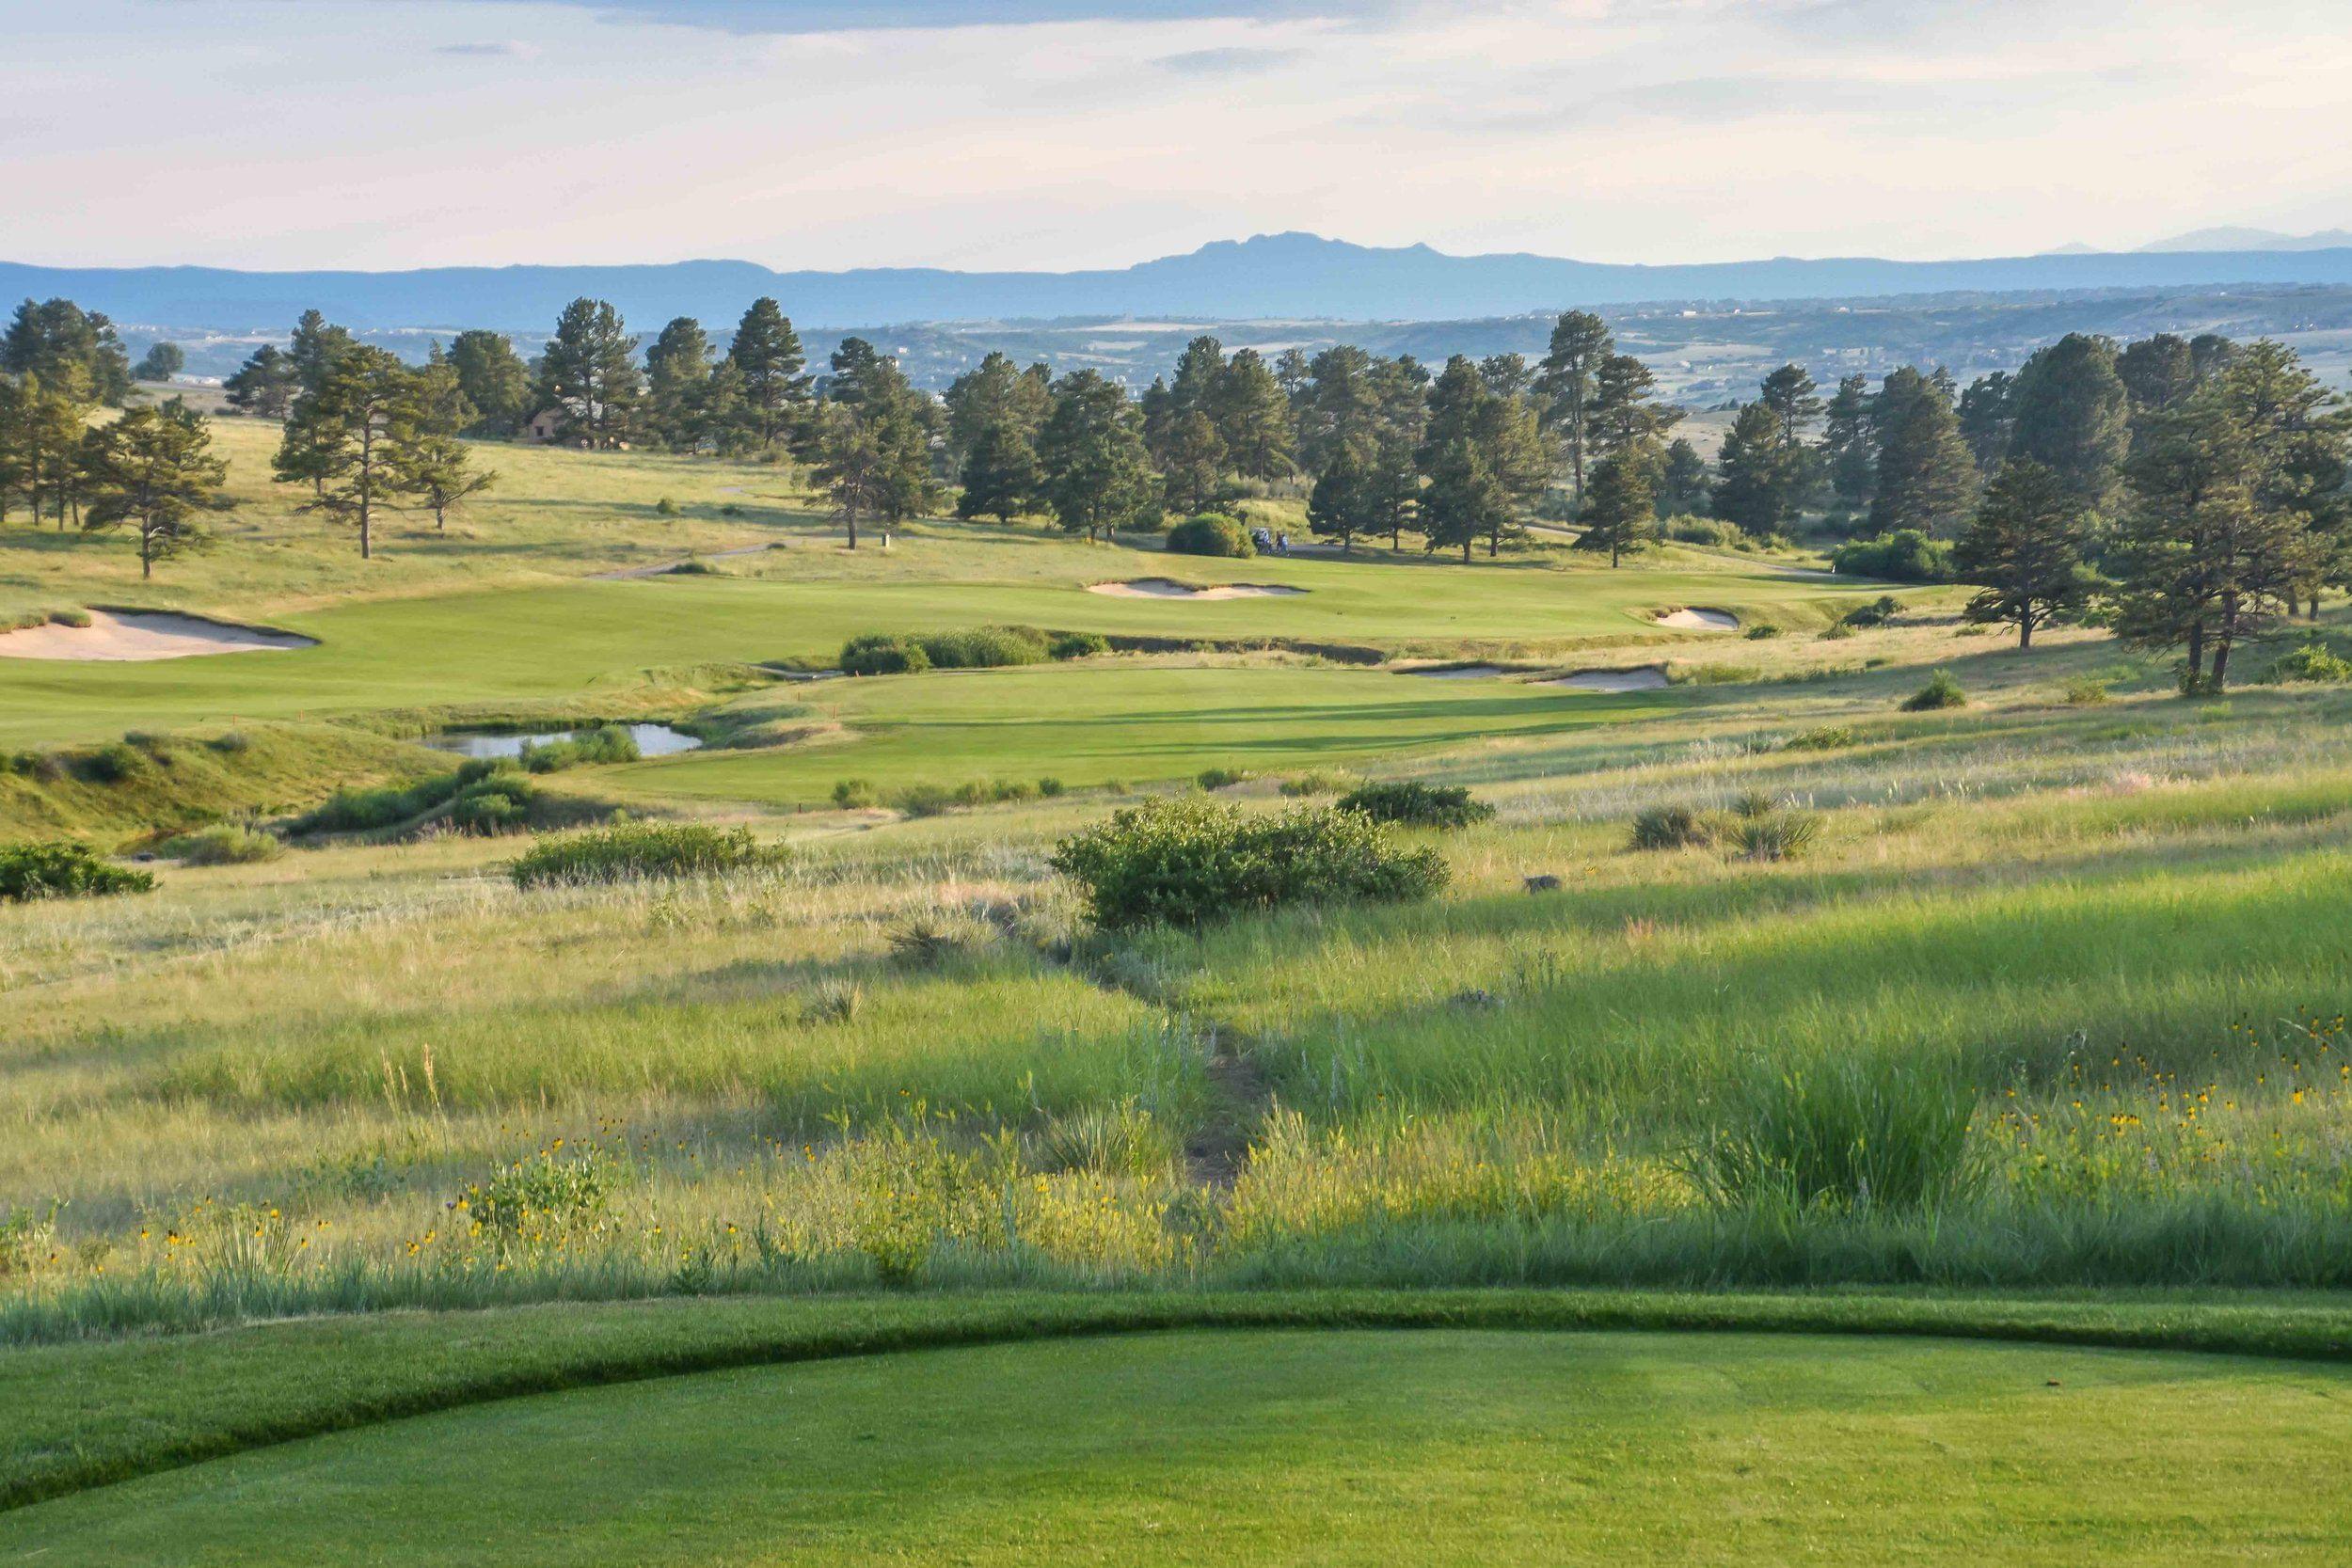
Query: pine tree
2156, 373
493, 379
1566, 380
2203, 566
1341, 504
1850, 444
678, 373
72, 351
1097, 472
1682, 485
1192, 461
1751, 487
1254, 418
263, 385
589, 373
1000, 473
161, 362
437, 468
1620, 513
316, 345
1926, 478
153, 469
1625, 412
1789, 393
873, 446
1463, 501
2071, 414
1985, 412
2025, 547
345, 437
767, 354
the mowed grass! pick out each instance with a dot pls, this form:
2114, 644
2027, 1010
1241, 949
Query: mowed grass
1324, 1448
1104, 720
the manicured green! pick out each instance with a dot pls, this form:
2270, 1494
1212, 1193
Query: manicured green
1088, 723
1316, 1448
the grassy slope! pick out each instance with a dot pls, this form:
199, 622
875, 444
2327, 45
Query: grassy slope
1589, 1448
99, 1412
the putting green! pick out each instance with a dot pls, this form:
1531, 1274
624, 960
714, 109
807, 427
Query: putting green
1328, 1448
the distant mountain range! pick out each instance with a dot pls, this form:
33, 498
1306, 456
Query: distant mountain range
1271, 277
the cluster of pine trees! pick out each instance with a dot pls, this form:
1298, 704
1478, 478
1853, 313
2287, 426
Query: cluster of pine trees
2196, 488
150, 469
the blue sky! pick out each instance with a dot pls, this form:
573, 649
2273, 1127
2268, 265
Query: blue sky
1085, 132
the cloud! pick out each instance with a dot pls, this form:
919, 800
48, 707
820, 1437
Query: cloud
828, 16
511, 49
1227, 62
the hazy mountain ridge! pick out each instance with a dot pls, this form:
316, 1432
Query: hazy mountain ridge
1267, 276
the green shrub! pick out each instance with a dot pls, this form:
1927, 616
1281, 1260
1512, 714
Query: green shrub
1754, 802
112, 763
500, 803
1049, 787
1721, 533
1418, 804
63, 869
1189, 861
230, 742
1317, 781
1841, 1134
853, 794
924, 799
1761, 632
881, 653
2310, 662
1940, 691
1211, 533
1838, 631
1906, 555
637, 851
1220, 777
2085, 693
1670, 828
598, 743
1077, 644
1876, 613
223, 843
983, 648
665, 507
1772, 834
977, 792
1821, 737
549, 1193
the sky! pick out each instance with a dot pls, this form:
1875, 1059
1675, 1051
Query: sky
1068, 133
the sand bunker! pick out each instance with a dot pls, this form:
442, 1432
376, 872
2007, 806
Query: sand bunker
1648, 677
129, 635
1168, 588
1700, 620
1460, 672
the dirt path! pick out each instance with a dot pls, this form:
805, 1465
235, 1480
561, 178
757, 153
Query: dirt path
1240, 1097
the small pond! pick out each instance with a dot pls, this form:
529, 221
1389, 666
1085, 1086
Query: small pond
653, 740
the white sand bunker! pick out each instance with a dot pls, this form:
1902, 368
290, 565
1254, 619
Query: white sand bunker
129, 635
1694, 619
1168, 588
1460, 672
1648, 677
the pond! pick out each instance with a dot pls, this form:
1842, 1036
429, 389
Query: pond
653, 740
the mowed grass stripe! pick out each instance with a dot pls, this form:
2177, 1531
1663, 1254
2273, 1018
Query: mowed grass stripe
96, 1413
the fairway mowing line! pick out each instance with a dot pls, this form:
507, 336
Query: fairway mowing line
2322, 1335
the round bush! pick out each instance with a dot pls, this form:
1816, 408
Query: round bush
1416, 804
63, 869
1211, 533
1189, 861
882, 654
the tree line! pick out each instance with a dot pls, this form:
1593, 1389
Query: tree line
2194, 490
